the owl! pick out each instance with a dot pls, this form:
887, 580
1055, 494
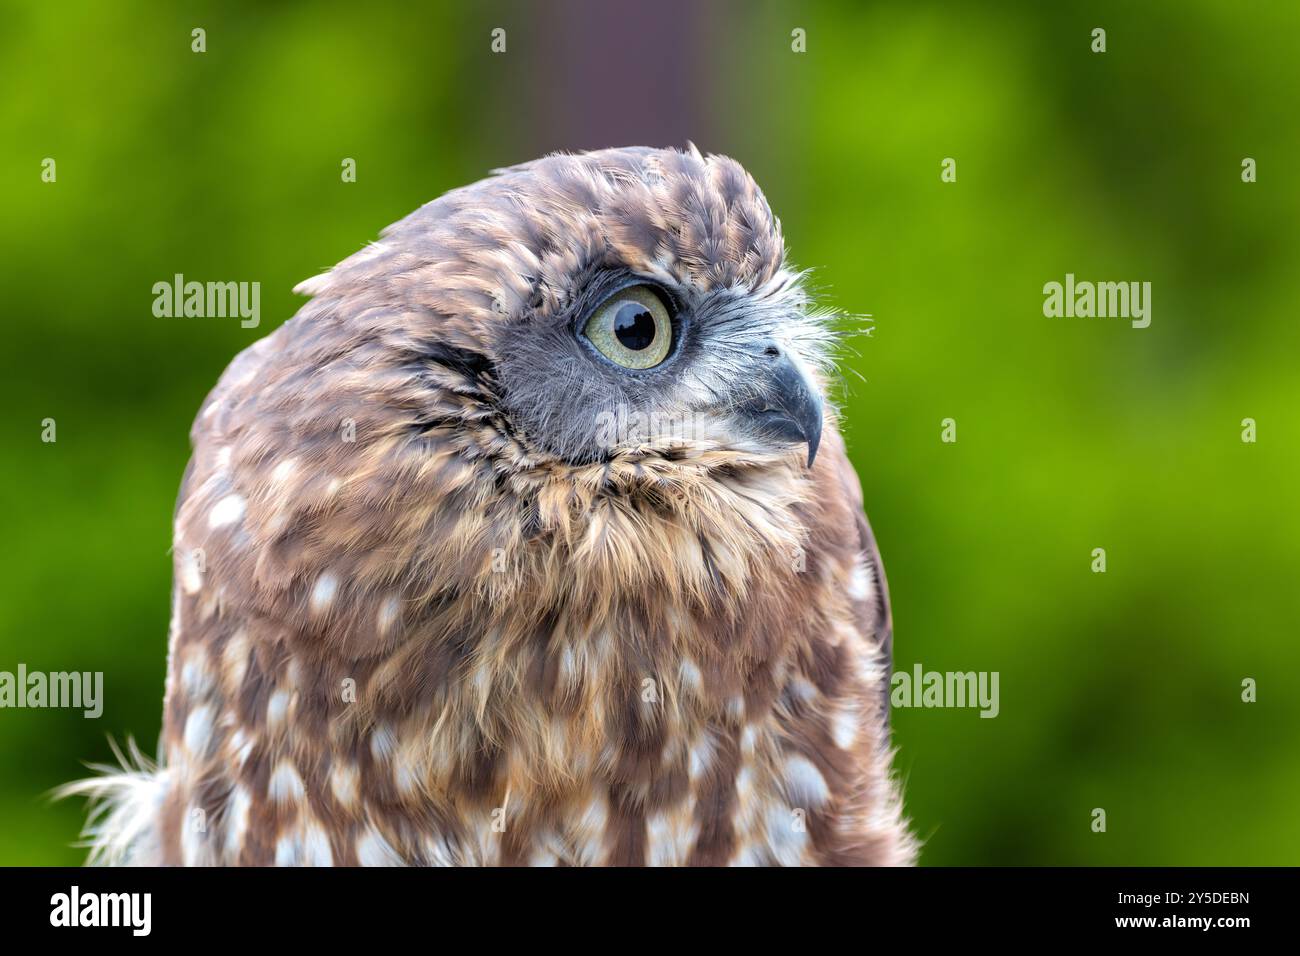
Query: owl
529, 540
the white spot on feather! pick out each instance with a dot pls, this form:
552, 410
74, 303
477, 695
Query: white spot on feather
277, 707
388, 612
803, 690
194, 845
691, 678
234, 659
286, 851
343, 781
374, 850
543, 856
568, 668
744, 783
286, 786
701, 757
751, 854
198, 730
241, 746
587, 833
670, 837
844, 727
316, 848
787, 835
406, 779
226, 511
311, 847
191, 576
736, 708
804, 783
237, 817
860, 581
382, 743
283, 471
195, 677
322, 595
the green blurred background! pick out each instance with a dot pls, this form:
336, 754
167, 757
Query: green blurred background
1119, 690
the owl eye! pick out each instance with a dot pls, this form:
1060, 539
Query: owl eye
631, 328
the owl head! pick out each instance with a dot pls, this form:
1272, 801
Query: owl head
593, 359
621, 302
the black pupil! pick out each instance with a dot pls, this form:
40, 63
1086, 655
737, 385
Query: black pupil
634, 325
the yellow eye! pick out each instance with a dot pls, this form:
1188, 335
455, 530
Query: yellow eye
631, 328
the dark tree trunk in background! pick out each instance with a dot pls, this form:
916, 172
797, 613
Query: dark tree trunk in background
617, 74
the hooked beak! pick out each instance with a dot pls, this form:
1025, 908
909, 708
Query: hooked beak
788, 408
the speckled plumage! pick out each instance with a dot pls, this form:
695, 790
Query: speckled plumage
424, 615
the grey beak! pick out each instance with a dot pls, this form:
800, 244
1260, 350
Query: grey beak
789, 408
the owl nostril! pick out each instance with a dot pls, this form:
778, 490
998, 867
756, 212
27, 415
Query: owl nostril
785, 406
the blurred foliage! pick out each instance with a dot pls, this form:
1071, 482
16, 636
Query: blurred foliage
1119, 691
